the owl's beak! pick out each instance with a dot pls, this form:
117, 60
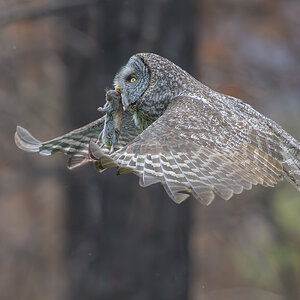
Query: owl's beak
118, 89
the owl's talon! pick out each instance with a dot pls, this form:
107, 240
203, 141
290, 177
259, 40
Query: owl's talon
99, 137
112, 149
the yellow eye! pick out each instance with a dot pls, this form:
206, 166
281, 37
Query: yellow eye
132, 79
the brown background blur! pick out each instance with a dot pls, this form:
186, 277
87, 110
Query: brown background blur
83, 235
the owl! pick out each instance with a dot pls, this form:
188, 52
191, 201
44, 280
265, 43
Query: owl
174, 130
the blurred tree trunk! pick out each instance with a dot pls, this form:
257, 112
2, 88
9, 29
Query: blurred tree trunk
124, 242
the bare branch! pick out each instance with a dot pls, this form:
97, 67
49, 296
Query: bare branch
26, 11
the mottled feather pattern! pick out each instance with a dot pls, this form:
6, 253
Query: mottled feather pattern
75, 144
225, 162
191, 139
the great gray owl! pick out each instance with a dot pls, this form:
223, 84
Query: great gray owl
165, 126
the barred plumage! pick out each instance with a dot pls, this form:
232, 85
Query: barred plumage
75, 144
191, 139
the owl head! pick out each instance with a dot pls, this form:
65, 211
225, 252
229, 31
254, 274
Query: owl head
148, 82
132, 81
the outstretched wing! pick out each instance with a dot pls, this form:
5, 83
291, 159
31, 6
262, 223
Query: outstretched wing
75, 144
195, 149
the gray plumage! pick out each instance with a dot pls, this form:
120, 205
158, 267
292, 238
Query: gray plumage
75, 144
190, 138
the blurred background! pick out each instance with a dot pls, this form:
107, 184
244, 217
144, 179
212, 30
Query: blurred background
83, 235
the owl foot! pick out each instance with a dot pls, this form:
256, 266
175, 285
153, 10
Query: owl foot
112, 149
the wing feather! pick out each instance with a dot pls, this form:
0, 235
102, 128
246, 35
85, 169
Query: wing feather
75, 144
183, 151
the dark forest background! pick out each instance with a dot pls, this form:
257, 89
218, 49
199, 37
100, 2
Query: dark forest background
83, 235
